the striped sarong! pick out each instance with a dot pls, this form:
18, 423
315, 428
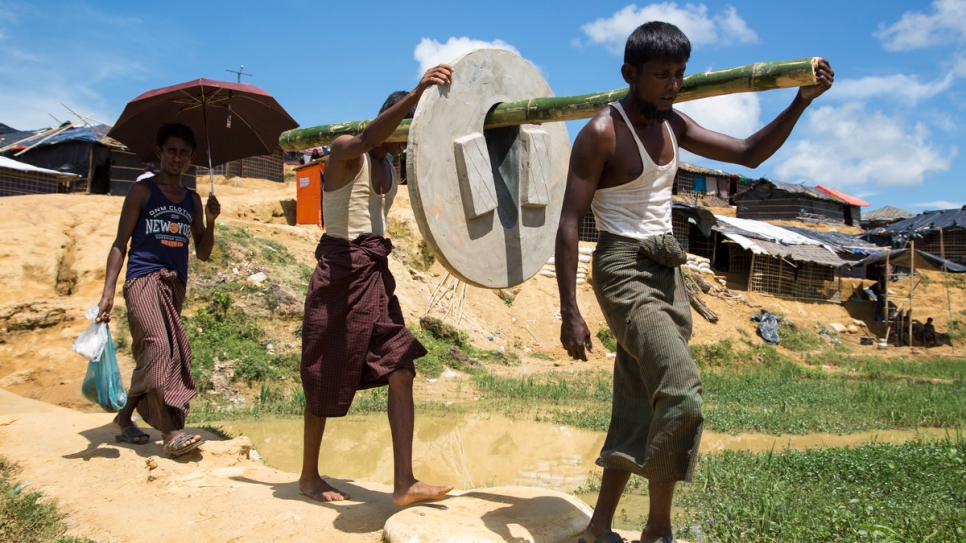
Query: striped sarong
656, 419
160, 346
353, 332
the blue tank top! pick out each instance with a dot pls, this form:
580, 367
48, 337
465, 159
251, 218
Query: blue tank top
160, 239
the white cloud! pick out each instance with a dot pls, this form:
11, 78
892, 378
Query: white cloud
430, 53
902, 86
937, 204
725, 28
849, 146
732, 114
916, 30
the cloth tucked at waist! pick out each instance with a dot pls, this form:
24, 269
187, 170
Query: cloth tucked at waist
160, 346
353, 333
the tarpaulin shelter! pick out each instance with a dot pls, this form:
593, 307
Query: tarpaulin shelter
901, 323
103, 165
942, 233
777, 260
19, 178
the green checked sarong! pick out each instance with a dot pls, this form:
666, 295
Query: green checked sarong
656, 421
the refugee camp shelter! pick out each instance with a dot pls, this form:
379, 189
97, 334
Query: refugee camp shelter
777, 261
884, 216
853, 213
708, 183
19, 178
941, 233
269, 167
104, 165
774, 200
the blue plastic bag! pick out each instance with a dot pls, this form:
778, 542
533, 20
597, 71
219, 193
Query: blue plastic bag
103, 384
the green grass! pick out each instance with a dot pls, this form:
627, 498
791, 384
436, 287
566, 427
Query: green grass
755, 388
799, 339
873, 493
878, 367
550, 388
607, 338
25, 517
230, 335
791, 399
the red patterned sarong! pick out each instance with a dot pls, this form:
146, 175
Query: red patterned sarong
160, 346
353, 332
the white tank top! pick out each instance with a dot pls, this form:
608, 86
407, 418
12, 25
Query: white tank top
642, 208
356, 208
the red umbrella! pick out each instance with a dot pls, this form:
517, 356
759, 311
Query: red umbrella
230, 120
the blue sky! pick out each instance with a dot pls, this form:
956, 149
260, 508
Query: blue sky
890, 131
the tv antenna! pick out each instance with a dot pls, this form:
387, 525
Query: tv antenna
240, 72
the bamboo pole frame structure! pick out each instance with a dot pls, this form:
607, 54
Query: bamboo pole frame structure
760, 76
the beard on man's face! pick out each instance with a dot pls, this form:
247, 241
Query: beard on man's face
651, 113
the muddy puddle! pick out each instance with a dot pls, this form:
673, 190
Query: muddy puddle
472, 450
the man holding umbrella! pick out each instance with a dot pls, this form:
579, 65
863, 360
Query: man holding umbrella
157, 218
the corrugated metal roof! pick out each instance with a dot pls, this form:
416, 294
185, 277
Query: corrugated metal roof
851, 200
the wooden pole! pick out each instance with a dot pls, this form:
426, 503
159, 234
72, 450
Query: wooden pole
912, 286
90, 168
949, 301
886, 293
756, 77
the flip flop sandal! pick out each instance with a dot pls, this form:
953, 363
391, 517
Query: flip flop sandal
132, 435
179, 446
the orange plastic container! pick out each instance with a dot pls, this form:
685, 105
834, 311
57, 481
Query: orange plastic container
308, 196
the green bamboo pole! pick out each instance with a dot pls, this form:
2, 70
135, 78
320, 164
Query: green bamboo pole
756, 77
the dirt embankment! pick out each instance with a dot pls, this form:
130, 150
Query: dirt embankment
52, 256
54, 247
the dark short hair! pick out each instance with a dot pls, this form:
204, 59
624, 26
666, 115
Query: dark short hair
656, 40
394, 99
176, 130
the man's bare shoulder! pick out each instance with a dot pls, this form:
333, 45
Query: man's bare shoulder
599, 133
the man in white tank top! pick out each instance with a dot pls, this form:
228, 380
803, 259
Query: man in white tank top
353, 333
622, 165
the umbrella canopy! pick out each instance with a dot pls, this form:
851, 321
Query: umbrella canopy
230, 120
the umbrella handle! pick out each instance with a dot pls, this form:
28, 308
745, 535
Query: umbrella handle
211, 175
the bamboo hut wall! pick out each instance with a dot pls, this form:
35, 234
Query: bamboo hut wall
680, 227
683, 182
588, 228
953, 243
808, 281
739, 260
260, 167
698, 243
790, 207
16, 182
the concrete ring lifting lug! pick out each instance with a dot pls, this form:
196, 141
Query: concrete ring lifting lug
487, 202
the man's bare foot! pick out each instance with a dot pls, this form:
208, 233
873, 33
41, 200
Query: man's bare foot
319, 490
606, 536
170, 436
419, 492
